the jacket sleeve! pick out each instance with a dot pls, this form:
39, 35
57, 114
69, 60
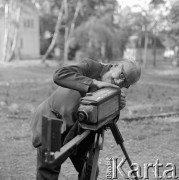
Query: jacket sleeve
78, 77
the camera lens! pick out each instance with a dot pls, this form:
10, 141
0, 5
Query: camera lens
82, 116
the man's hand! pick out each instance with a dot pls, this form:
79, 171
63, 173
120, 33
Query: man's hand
122, 100
102, 84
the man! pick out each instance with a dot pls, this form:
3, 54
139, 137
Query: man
74, 82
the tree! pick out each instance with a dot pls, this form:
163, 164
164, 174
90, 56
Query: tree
69, 30
74, 14
160, 12
12, 22
173, 33
55, 35
100, 38
149, 21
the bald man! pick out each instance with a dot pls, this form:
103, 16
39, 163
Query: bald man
74, 82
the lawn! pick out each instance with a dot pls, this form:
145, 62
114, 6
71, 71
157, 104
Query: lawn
23, 86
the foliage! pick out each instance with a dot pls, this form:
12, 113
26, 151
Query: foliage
174, 21
90, 9
101, 39
102, 29
95, 34
173, 32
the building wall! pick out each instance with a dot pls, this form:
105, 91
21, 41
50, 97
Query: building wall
29, 41
28, 44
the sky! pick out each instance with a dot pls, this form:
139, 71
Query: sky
130, 3
144, 4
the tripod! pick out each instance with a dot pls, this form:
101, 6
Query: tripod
69, 148
99, 145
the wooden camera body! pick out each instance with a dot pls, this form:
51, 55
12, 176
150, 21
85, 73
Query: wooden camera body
99, 107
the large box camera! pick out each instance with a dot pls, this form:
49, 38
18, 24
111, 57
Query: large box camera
99, 107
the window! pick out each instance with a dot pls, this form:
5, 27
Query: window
28, 23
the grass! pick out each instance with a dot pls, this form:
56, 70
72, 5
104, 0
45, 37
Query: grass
28, 85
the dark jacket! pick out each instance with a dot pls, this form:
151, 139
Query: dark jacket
74, 81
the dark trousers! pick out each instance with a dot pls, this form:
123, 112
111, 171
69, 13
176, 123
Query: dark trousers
81, 161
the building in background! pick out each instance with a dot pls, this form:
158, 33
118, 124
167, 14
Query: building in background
28, 41
154, 52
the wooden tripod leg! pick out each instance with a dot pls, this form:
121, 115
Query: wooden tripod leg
97, 147
119, 140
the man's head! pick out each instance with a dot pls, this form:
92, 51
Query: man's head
124, 74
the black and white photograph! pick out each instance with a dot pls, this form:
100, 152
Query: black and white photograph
89, 89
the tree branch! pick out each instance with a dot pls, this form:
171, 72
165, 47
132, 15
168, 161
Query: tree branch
70, 31
57, 27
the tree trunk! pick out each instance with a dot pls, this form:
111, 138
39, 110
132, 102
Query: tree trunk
77, 10
103, 52
55, 36
154, 51
15, 35
145, 50
65, 57
68, 32
177, 58
6, 32
12, 22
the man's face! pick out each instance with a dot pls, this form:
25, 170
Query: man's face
117, 75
